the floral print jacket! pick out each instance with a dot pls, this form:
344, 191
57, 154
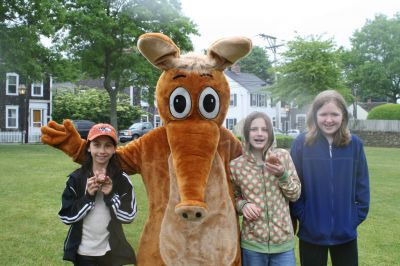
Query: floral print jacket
272, 232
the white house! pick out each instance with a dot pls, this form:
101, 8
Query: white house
359, 112
248, 94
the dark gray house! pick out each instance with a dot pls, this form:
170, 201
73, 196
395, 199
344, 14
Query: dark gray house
24, 107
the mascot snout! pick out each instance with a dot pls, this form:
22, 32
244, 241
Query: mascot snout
193, 146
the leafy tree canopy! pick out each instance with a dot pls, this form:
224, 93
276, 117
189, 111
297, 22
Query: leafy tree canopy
22, 25
309, 66
373, 64
257, 63
103, 36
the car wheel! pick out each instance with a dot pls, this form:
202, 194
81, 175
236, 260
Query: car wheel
135, 136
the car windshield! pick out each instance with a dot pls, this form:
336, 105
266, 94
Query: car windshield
136, 126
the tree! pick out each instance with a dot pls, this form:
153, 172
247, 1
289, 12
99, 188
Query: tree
373, 64
103, 36
22, 24
257, 63
308, 67
93, 105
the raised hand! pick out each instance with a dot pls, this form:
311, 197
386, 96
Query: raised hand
64, 137
92, 186
104, 181
274, 166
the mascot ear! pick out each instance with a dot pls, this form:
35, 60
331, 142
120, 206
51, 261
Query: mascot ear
227, 51
159, 49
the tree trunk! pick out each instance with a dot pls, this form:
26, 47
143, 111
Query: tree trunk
113, 108
113, 101
136, 96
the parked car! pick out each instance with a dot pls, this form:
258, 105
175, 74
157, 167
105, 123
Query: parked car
293, 132
83, 127
278, 132
134, 131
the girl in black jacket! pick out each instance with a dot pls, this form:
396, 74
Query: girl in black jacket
98, 198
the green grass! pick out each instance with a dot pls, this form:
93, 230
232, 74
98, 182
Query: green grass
32, 178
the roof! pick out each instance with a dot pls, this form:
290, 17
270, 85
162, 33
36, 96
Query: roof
368, 106
92, 83
247, 80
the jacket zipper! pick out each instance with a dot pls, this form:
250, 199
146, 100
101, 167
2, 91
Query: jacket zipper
332, 190
266, 207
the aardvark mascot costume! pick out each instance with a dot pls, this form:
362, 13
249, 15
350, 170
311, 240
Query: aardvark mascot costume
184, 163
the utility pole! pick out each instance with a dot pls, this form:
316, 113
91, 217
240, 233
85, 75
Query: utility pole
355, 103
273, 46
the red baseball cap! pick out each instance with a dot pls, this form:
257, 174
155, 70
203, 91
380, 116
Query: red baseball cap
102, 130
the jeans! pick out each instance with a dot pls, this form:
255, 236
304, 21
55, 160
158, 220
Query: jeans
253, 258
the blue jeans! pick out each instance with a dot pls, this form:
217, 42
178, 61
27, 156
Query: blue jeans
253, 258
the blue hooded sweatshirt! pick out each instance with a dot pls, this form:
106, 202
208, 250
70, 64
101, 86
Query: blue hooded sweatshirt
334, 190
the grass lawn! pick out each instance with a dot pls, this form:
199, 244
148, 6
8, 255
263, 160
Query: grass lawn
32, 178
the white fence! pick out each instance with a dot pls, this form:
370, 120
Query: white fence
18, 137
354, 125
375, 125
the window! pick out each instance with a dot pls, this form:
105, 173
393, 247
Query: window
144, 118
301, 122
259, 100
12, 81
37, 120
37, 89
233, 100
230, 123
253, 99
157, 121
11, 116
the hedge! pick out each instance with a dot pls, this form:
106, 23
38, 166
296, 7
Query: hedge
284, 142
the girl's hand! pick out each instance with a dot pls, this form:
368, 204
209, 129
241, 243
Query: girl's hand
106, 187
92, 186
104, 181
250, 211
274, 166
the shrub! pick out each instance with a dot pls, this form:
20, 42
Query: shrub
282, 141
94, 105
388, 111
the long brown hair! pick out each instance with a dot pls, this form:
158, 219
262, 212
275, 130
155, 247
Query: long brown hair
246, 130
341, 137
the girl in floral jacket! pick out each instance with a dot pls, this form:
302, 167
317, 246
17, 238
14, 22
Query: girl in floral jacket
265, 180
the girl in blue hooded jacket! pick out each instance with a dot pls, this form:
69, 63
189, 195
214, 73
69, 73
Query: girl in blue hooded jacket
332, 167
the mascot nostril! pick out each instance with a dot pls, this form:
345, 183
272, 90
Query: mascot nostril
191, 213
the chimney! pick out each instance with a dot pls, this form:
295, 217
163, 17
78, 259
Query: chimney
235, 68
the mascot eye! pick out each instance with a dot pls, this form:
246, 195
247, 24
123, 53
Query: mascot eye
209, 103
180, 103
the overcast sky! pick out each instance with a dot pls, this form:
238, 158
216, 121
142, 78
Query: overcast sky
282, 19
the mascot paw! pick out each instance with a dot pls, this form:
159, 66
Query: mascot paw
64, 137
55, 134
